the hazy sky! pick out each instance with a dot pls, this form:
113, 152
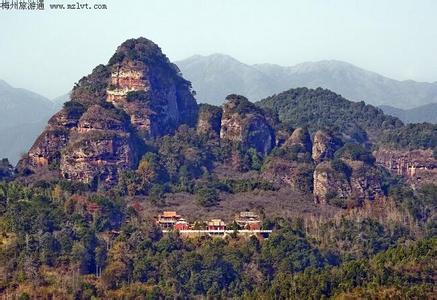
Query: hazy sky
50, 50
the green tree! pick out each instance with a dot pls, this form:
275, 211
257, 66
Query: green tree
207, 197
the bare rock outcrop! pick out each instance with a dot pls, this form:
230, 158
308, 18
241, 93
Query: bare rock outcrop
46, 150
417, 166
324, 146
299, 137
352, 180
209, 120
138, 94
244, 123
99, 147
150, 89
284, 172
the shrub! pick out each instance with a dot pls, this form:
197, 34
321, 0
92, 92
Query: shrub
141, 96
156, 194
340, 166
207, 197
355, 152
74, 108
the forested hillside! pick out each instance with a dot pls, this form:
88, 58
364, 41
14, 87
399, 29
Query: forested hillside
133, 190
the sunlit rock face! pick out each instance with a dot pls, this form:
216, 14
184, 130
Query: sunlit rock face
417, 166
138, 95
362, 183
46, 150
150, 89
99, 147
301, 138
324, 146
244, 123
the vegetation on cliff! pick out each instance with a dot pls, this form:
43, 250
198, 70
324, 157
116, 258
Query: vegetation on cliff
59, 240
133, 142
411, 136
321, 109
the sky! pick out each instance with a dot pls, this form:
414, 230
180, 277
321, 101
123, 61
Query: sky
48, 51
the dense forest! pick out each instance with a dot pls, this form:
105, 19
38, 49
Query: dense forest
356, 121
321, 108
65, 239
79, 215
52, 244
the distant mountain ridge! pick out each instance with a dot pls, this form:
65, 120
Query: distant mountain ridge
424, 113
22, 117
21, 105
215, 76
25, 113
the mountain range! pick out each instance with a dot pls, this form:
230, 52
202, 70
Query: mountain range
217, 75
134, 190
24, 113
23, 116
424, 113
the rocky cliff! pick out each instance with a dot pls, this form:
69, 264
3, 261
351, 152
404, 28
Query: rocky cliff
340, 182
138, 94
284, 172
300, 137
139, 100
244, 123
324, 146
47, 148
416, 166
100, 146
209, 120
150, 89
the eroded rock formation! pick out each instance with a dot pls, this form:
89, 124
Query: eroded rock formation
150, 89
416, 166
360, 182
95, 136
47, 148
209, 120
244, 123
324, 146
99, 147
284, 172
299, 137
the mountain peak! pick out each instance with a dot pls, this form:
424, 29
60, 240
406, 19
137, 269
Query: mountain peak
217, 75
139, 49
139, 95
328, 65
214, 58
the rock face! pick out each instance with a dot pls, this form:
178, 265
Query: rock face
98, 147
97, 134
416, 166
299, 137
283, 172
361, 182
47, 148
209, 120
244, 123
324, 146
150, 89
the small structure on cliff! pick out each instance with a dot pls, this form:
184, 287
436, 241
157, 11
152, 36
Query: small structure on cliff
216, 224
168, 219
248, 220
